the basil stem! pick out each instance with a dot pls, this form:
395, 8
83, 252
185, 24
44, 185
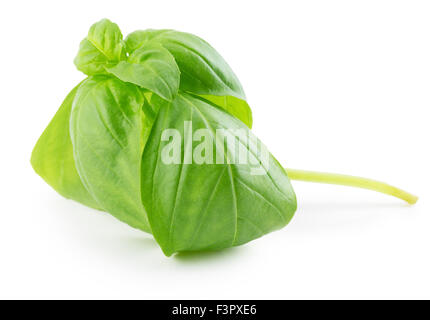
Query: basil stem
352, 181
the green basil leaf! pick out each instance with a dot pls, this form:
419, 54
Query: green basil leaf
195, 206
52, 157
236, 107
151, 67
106, 131
203, 70
139, 38
104, 46
150, 109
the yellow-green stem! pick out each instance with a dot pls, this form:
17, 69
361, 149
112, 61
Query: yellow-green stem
352, 181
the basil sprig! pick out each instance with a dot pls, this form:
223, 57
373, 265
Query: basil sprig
104, 147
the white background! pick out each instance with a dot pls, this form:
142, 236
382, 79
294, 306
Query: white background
339, 86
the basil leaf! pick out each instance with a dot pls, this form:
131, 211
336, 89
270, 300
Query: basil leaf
104, 46
106, 131
236, 107
208, 206
52, 157
151, 67
139, 38
203, 70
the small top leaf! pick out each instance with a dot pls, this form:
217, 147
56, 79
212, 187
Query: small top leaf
151, 67
203, 70
102, 47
